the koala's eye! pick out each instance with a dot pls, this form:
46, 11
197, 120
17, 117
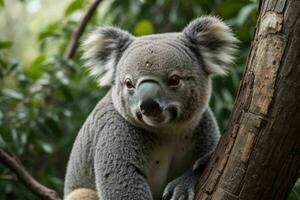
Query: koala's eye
129, 84
174, 80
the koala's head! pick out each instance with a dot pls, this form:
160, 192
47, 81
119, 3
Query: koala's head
163, 79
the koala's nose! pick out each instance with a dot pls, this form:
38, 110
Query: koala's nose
149, 93
150, 107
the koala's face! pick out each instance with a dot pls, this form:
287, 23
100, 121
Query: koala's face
157, 83
164, 79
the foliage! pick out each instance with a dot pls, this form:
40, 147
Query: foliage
43, 104
42, 107
295, 195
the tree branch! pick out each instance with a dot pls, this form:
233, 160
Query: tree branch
35, 187
73, 45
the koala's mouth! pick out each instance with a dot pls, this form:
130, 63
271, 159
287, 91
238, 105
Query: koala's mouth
165, 117
155, 121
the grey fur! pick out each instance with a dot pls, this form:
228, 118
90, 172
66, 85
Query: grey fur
103, 51
213, 40
124, 153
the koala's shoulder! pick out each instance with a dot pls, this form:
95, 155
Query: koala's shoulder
208, 121
208, 130
105, 112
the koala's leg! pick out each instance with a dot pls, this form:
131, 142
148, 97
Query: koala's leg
82, 194
119, 162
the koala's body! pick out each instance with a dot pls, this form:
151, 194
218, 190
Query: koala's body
153, 132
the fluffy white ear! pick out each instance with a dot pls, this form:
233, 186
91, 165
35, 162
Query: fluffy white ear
103, 49
213, 41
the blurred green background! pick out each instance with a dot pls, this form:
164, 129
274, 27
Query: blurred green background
44, 98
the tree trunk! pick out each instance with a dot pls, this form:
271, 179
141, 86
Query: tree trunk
259, 155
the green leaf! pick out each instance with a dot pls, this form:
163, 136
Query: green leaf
12, 93
2, 142
51, 30
5, 44
143, 27
48, 148
11, 67
61, 76
1, 3
74, 6
245, 12
35, 70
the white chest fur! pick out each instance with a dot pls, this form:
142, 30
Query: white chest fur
169, 159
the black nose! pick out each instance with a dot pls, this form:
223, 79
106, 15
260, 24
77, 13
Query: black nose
150, 107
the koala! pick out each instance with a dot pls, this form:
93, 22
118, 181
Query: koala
153, 133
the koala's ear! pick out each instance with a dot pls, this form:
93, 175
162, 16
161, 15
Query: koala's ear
103, 49
213, 41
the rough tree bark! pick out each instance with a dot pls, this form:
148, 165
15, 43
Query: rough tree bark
259, 155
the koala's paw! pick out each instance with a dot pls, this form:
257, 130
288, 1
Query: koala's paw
182, 188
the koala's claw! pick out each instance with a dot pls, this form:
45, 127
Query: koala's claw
181, 188
179, 194
167, 194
